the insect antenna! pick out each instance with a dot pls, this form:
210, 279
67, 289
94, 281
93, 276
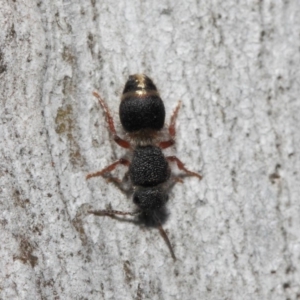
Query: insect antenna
164, 235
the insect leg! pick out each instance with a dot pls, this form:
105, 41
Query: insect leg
121, 161
110, 122
181, 166
110, 213
172, 129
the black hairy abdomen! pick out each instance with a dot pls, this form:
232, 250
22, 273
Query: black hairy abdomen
137, 113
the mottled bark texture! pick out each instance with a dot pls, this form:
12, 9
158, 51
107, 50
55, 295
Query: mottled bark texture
234, 65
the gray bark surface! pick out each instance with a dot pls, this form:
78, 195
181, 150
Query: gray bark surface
235, 67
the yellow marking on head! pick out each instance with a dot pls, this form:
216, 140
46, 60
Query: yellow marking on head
140, 78
140, 93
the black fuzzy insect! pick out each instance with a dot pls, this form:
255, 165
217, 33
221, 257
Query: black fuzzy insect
142, 115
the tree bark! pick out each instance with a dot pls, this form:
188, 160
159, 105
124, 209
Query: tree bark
235, 67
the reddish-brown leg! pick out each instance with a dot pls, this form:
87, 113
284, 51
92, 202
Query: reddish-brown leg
108, 212
181, 166
110, 122
172, 129
177, 179
114, 180
121, 161
122, 184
